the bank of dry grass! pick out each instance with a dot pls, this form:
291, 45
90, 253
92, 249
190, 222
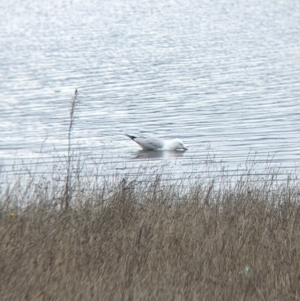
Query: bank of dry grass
146, 242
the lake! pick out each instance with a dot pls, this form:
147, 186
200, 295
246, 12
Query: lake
224, 76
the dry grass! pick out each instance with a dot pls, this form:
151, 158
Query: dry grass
149, 243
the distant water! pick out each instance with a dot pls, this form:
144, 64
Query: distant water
222, 75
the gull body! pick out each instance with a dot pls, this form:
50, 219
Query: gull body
153, 143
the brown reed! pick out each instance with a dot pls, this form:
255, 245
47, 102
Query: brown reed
147, 242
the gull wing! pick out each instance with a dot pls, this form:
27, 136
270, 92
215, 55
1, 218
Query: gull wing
148, 143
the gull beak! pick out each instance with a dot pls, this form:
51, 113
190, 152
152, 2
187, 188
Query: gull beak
185, 148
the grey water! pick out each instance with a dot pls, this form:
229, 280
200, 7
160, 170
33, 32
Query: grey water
222, 75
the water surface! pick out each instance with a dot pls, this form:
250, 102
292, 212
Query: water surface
221, 75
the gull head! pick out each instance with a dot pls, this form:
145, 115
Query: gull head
178, 144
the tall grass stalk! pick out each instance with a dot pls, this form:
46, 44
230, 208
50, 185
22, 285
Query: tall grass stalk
67, 195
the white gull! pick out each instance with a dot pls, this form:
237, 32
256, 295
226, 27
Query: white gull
153, 143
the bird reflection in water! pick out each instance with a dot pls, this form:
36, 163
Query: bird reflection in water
156, 155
